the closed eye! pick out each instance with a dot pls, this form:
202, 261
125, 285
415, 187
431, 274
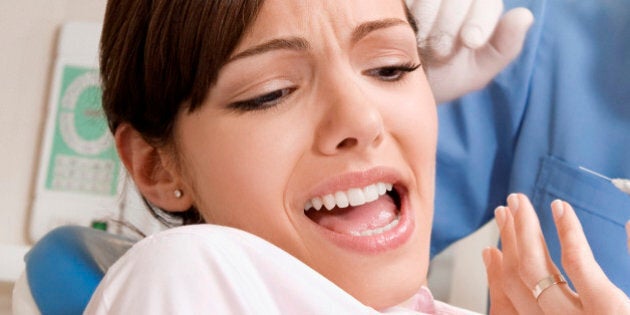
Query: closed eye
264, 101
392, 73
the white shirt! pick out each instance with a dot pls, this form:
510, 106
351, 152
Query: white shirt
209, 269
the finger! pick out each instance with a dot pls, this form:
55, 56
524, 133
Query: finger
577, 257
425, 12
535, 262
534, 258
597, 293
480, 23
506, 41
445, 32
517, 291
499, 301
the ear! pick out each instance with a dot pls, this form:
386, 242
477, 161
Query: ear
152, 171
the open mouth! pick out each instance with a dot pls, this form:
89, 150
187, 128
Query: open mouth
362, 211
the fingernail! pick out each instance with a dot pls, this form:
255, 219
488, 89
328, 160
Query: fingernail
499, 215
557, 209
444, 45
512, 201
485, 254
472, 37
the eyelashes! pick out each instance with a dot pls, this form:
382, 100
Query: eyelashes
387, 74
392, 73
263, 101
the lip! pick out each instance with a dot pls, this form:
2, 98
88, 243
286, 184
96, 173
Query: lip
373, 244
355, 180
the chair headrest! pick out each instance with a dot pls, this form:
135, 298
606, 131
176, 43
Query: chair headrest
64, 267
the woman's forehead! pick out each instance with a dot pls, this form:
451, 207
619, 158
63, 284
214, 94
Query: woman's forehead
291, 18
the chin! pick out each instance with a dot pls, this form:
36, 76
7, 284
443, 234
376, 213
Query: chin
396, 278
400, 289
384, 280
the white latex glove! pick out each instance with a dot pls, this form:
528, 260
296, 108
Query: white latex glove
468, 42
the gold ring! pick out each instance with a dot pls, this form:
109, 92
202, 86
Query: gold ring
547, 282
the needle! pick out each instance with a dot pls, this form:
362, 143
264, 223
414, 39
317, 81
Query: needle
595, 173
620, 183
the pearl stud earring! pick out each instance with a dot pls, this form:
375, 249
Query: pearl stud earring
178, 193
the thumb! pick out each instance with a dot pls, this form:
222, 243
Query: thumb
506, 42
499, 301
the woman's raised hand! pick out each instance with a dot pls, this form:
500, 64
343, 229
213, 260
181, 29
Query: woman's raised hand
524, 280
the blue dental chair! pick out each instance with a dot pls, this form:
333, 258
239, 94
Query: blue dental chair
64, 267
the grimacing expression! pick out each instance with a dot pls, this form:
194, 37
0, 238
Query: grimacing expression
320, 136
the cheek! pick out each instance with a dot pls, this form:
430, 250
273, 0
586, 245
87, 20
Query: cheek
413, 122
239, 171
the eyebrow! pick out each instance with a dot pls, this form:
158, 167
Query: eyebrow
292, 43
366, 28
301, 44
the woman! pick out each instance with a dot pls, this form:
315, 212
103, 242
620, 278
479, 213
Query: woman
308, 126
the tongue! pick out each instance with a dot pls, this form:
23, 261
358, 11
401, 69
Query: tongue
369, 216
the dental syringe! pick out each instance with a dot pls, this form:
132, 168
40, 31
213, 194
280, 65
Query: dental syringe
621, 183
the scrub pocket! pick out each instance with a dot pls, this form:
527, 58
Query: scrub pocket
602, 209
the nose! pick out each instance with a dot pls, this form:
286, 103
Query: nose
351, 121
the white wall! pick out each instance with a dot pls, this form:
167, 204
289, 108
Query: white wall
28, 33
28, 30
458, 274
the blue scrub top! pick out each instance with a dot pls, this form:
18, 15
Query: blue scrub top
564, 103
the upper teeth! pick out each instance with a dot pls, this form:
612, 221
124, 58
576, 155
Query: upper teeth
352, 197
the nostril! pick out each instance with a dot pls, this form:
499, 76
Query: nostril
347, 143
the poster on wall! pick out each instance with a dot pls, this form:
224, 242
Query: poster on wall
80, 178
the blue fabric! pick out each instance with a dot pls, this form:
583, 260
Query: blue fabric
564, 103
61, 273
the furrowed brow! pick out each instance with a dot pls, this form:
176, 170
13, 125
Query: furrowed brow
366, 28
292, 43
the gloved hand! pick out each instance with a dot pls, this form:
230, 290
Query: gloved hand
468, 42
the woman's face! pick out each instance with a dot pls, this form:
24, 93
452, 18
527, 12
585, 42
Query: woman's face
320, 104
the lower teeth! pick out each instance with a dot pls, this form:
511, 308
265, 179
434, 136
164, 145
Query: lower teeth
377, 231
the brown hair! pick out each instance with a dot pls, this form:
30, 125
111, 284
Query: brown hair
158, 56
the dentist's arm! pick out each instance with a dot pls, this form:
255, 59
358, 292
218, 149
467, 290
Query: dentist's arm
468, 41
